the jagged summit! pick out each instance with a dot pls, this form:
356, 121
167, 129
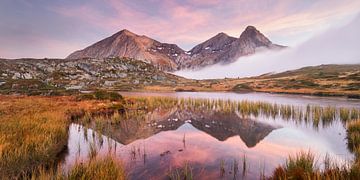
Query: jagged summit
225, 49
251, 33
216, 43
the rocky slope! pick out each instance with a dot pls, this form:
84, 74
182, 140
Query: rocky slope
48, 75
127, 44
218, 49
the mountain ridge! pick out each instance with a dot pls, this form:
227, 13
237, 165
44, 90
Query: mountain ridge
220, 48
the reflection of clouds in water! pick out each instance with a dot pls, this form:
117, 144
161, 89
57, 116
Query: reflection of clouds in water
79, 142
203, 149
336, 46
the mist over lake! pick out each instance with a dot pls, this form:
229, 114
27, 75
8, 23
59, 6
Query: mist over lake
335, 46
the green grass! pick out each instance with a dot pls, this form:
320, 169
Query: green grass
101, 95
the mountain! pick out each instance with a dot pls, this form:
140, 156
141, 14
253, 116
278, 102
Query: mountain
208, 52
225, 49
218, 49
127, 44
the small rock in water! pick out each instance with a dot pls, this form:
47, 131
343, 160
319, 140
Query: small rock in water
207, 126
175, 119
188, 121
160, 126
165, 153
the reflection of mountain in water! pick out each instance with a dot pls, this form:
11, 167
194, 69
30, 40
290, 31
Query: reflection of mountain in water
220, 125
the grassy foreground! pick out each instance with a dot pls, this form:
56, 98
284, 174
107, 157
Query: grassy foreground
33, 133
106, 168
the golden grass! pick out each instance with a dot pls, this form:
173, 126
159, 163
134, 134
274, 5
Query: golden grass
353, 137
107, 168
33, 131
304, 166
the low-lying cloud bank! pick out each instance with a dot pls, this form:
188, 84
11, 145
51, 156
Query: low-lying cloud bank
335, 46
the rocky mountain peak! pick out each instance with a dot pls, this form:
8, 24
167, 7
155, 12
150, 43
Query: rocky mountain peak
215, 43
127, 32
252, 34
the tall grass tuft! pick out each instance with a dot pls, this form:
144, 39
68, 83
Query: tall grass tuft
105, 168
33, 132
353, 137
183, 173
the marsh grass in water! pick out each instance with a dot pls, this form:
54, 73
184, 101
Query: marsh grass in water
305, 166
136, 108
99, 168
182, 173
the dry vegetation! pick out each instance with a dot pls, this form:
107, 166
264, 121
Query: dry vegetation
34, 131
104, 168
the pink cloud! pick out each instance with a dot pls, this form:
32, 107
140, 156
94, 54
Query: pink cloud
186, 23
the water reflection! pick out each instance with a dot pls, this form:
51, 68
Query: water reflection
217, 124
168, 138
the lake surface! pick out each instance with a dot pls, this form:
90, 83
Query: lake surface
166, 139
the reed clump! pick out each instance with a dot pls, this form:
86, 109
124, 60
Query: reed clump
353, 137
183, 173
103, 168
304, 166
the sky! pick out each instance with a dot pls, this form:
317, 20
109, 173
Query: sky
55, 28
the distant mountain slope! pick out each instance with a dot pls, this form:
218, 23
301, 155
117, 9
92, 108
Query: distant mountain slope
47, 75
218, 49
209, 52
128, 44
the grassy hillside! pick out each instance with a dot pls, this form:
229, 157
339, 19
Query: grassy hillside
325, 80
